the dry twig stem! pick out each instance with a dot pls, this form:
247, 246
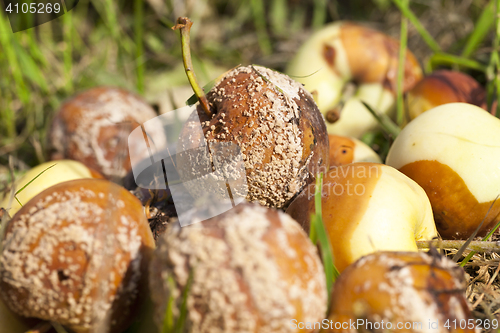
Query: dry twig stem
480, 299
478, 246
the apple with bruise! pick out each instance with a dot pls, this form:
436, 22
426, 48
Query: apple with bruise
344, 54
346, 150
368, 207
453, 152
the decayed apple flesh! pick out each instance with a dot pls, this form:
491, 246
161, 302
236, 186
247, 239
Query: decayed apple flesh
453, 152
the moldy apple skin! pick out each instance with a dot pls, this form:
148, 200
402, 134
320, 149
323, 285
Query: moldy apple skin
453, 152
367, 207
56, 266
253, 269
276, 124
401, 287
93, 128
442, 87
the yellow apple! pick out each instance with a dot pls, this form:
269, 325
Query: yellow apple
453, 152
345, 52
55, 172
368, 207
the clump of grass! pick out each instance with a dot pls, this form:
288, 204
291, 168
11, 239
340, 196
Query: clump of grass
490, 16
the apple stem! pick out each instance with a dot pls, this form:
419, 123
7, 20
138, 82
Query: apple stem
478, 246
184, 25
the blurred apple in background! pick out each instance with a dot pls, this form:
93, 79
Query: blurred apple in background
442, 87
344, 53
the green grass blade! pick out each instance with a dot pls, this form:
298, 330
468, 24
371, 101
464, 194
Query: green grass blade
31, 181
179, 325
426, 36
35, 50
171, 325
259, 18
111, 18
68, 51
6, 43
496, 57
7, 117
319, 14
108, 11
318, 225
138, 38
481, 29
450, 59
298, 19
168, 318
401, 68
384, 121
485, 238
279, 14
5, 216
31, 69
313, 235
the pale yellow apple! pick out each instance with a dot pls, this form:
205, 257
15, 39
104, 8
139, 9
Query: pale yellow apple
453, 152
364, 153
55, 172
368, 207
355, 119
345, 52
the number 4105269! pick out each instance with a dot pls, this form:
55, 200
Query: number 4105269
38, 8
